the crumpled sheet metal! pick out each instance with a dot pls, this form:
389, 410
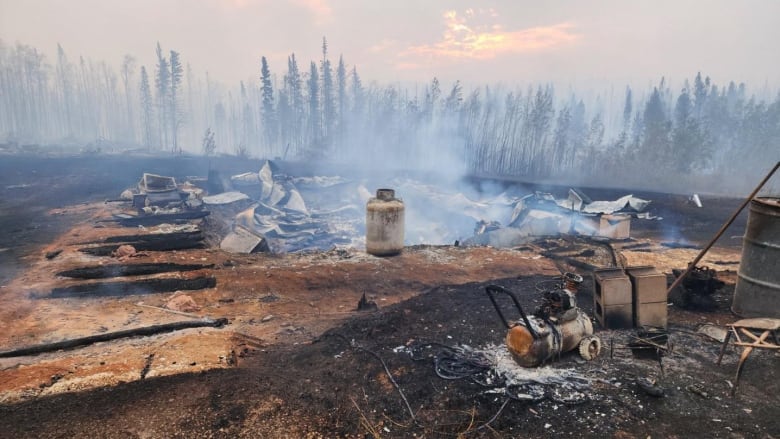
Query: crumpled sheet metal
627, 203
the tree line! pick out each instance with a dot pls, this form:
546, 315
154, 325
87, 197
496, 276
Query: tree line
324, 111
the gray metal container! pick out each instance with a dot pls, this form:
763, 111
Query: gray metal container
757, 293
384, 224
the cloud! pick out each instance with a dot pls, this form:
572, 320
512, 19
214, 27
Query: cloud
466, 38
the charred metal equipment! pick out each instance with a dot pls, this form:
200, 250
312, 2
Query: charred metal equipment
697, 290
556, 326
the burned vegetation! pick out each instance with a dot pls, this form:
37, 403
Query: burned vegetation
252, 303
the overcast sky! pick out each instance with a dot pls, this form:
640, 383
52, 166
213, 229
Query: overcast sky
574, 42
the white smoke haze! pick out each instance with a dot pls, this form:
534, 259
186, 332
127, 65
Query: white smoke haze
691, 135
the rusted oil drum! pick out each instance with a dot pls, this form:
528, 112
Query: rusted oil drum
757, 293
384, 224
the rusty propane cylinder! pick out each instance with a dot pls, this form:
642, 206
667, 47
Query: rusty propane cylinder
384, 224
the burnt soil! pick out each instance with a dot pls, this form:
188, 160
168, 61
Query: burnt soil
330, 385
325, 388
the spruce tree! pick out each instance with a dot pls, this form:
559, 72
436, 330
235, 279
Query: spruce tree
270, 127
175, 113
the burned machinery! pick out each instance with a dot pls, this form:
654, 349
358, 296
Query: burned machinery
555, 327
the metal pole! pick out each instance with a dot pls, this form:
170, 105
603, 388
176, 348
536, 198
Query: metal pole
721, 231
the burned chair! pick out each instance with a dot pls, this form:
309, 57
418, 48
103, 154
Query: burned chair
755, 331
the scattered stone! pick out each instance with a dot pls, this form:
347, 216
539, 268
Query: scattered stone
269, 298
267, 318
182, 303
650, 387
53, 254
124, 251
698, 390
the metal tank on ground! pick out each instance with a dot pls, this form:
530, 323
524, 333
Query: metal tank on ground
384, 224
757, 293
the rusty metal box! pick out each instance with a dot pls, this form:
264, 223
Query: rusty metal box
614, 316
650, 314
612, 287
647, 284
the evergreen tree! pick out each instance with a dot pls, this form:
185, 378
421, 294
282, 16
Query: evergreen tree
341, 91
315, 127
209, 144
453, 101
357, 92
128, 68
175, 113
162, 84
147, 109
328, 106
294, 91
628, 108
687, 139
269, 114
655, 143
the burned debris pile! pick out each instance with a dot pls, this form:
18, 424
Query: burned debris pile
270, 211
265, 211
158, 199
698, 290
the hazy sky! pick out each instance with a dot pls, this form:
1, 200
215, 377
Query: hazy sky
575, 42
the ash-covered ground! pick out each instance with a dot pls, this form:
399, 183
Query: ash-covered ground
297, 359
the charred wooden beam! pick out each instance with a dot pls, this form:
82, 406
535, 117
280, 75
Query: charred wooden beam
144, 331
161, 245
156, 237
144, 286
153, 220
119, 270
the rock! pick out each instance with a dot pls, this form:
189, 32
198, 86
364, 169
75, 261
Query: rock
124, 251
698, 390
650, 387
182, 303
267, 318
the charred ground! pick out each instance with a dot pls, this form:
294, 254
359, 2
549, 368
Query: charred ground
319, 374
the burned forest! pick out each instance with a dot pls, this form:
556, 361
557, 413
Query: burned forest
449, 235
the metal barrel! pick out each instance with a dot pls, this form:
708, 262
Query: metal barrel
757, 293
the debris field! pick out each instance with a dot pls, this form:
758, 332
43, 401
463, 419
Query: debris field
171, 336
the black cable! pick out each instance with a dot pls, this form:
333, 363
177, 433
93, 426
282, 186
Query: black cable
454, 363
387, 370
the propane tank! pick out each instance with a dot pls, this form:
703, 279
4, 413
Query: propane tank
384, 224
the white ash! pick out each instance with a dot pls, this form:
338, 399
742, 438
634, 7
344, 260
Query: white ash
504, 365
